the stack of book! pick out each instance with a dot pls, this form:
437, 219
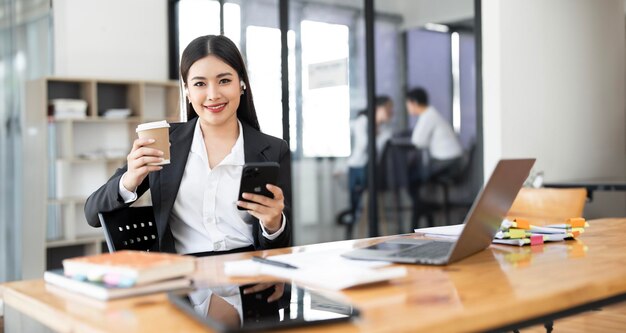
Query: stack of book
116, 113
67, 108
520, 232
122, 274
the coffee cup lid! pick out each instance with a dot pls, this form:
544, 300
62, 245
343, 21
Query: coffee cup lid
152, 125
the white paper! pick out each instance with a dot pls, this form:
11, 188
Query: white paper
448, 231
326, 270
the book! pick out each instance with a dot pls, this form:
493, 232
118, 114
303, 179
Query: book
67, 108
128, 268
102, 291
116, 113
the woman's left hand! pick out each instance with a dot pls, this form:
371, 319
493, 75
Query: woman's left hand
269, 211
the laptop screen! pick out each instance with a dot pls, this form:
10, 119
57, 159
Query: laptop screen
491, 205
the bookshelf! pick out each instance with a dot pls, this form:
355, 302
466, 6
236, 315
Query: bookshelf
68, 157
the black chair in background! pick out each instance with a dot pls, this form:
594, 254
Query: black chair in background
454, 176
424, 192
130, 228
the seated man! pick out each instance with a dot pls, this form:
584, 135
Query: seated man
442, 151
433, 134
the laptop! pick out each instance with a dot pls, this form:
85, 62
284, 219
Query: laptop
481, 223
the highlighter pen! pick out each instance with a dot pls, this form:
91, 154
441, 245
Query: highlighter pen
273, 262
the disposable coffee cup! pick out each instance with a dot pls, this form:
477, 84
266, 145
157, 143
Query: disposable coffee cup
159, 131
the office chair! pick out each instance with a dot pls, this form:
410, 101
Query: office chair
452, 177
541, 206
130, 228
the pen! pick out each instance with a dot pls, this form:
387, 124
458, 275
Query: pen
273, 262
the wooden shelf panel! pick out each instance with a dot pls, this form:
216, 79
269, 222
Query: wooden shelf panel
77, 241
99, 120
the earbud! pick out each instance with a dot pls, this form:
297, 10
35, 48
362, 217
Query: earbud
243, 85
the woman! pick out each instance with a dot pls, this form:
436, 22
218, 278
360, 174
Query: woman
357, 162
195, 197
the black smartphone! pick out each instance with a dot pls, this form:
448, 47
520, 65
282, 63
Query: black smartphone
255, 177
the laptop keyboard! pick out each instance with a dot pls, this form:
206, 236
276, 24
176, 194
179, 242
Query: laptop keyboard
431, 250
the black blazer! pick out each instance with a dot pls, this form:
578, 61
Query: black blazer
164, 184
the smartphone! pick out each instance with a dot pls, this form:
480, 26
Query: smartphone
255, 177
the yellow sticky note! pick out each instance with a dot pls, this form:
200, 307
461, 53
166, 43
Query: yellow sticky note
517, 233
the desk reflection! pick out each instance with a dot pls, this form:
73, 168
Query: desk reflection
234, 305
260, 306
524, 256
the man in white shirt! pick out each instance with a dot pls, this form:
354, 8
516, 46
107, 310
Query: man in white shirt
434, 134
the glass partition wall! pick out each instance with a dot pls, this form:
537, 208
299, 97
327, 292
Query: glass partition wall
25, 54
417, 43
441, 58
327, 89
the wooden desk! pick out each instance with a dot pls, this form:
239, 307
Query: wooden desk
494, 289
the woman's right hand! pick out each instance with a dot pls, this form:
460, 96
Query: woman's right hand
138, 160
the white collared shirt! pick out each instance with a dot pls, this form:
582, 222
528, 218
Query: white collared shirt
432, 131
359, 156
205, 215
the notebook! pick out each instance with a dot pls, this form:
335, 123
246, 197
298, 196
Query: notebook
480, 226
103, 292
129, 268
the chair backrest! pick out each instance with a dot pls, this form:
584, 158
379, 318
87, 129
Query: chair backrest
129, 228
459, 173
548, 205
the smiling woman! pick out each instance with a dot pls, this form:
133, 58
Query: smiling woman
195, 197
214, 92
217, 55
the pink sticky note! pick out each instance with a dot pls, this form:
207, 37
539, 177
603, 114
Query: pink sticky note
536, 239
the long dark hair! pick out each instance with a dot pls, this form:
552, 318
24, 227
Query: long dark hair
226, 50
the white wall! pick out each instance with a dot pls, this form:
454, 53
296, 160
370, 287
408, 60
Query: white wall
112, 38
128, 38
553, 86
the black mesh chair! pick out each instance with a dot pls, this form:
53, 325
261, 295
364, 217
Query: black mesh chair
130, 228
454, 176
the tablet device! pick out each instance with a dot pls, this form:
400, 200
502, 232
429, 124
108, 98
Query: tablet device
255, 177
225, 308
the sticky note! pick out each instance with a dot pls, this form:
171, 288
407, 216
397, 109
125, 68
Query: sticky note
576, 222
111, 279
522, 224
536, 239
517, 233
